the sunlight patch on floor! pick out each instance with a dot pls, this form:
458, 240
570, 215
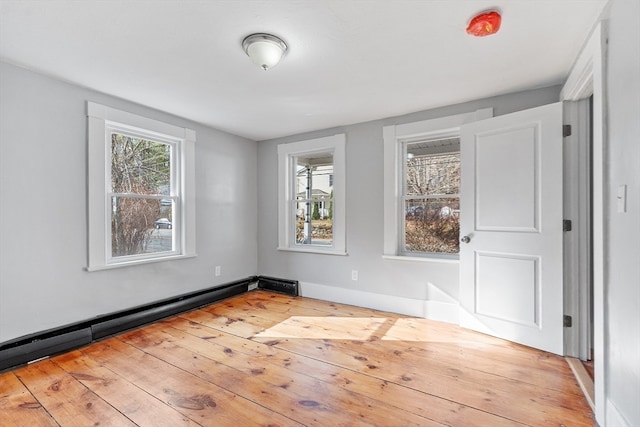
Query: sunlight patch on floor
411, 329
338, 328
363, 328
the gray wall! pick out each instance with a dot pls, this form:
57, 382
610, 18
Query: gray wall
43, 221
622, 283
431, 281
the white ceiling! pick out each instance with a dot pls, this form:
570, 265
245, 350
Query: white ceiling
349, 61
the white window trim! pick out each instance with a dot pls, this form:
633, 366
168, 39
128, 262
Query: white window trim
100, 120
286, 186
394, 136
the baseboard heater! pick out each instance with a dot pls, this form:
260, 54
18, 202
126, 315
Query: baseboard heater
285, 286
58, 340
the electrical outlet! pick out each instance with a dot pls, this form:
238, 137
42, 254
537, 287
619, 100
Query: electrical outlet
354, 274
218, 270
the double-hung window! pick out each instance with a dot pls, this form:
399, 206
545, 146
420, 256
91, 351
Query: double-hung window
422, 187
140, 189
311, 196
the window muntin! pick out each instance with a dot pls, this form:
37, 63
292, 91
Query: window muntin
430, 199
143, 195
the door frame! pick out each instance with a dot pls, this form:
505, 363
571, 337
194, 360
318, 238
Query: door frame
577, 242
588, 78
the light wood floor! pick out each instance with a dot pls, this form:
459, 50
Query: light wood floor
271, 360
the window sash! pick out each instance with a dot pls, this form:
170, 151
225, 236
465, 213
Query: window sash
318, 241
174, 192
296, 200
174, 145
152, 229
428, 216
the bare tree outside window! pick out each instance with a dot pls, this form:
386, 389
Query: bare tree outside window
140, 175
431, 197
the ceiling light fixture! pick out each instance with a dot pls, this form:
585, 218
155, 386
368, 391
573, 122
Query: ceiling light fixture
265, 50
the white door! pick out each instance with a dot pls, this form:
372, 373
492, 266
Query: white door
511, 227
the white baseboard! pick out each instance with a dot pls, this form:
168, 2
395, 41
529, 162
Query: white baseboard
613, 417
442, 311
432, 310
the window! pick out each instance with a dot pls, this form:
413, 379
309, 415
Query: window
141, 183
422, 186
430, 197
311, 195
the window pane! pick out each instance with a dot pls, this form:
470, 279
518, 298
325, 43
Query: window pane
432, 225
139, 166
314, 181
431, 174
314, 222
140, 226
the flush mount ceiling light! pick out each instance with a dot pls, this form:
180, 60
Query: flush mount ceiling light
265, 50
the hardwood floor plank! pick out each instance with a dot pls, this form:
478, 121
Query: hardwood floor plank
268, 359
426, 342
232, 325
18, 407
425, 330
202, 401
428, 406
139, 406
66, 399
301, 407
532, 364
506, 398
256, 380
238, 326
271, 308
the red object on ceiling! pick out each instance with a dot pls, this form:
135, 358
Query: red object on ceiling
484, 24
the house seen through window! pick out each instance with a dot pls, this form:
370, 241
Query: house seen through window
431, 197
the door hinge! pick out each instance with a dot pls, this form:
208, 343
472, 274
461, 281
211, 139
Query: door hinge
566, 130
567, 321
566, 225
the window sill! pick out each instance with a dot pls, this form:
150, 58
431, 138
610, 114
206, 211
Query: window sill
314, 251
421, 259
138, 262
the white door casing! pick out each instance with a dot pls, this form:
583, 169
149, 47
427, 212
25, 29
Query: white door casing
511, 211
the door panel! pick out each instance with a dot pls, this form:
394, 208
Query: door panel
493, 286
511, 210
507, 195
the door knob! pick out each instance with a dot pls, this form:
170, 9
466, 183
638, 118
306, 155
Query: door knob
465, 239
